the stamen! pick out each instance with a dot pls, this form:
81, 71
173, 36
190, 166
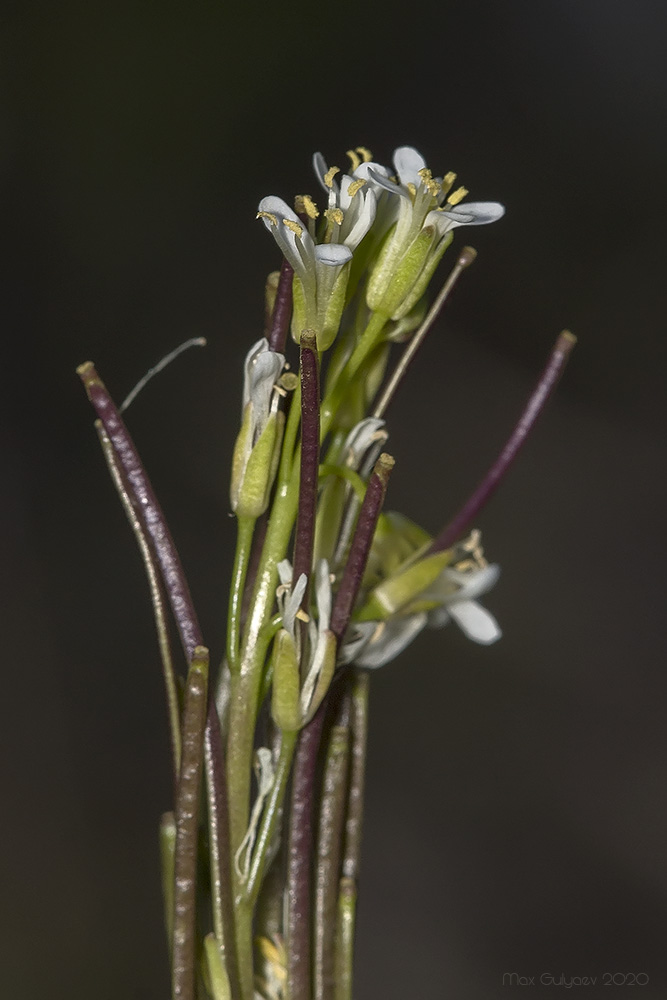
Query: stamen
466, 257
355, 159
355, 186
412, 189
329, 176
429, 183
457, 196
293, 227
273, 219
304, 205
365, 154
447, 181
335, 216
545, 385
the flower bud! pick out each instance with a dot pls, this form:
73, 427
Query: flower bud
398, 590
254, 469
285, 692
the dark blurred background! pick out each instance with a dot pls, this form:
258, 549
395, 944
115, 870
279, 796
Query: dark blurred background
517, 794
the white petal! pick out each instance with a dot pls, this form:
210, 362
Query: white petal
320, 168
477, 623
323, 595
332, 254
394, 638
364, 220
285, 572
293, 603
276, 206
359, 440
475, 213
408, 163
259, 348
356, 638
474, 584
384, 182
262, 377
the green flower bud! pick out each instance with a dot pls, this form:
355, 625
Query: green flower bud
285, 692
327, 654
252, 480
424, 278
407, 272
333, 309
393, 594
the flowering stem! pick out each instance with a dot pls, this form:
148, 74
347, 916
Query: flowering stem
466, 257
347, 904
536, 402
282, 310
187, 822
246, 527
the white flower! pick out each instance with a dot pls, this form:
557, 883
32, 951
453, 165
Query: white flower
426, 205
372, 644
319, 282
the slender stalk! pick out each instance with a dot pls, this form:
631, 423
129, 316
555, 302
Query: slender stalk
282, 310
328, 855
157, 596
184, 965
336, 390
347, 904
489, 484
465, 259
245, 529
220, 854
355, 798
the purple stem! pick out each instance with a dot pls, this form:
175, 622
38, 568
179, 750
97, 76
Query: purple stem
147, 508
487, 487
361, 544
282, 309
310, 458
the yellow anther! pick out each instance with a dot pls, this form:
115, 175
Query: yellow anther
268, 950
354, 158
447, 181
412, 189
365, 154
294, 227
273, 219
334, 216
303, 616
429, 183
329, 176
288, 381
303, 203
457, 196
355, 186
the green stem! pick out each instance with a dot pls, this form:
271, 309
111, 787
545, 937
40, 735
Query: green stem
246, 527
336, 391
347, 898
